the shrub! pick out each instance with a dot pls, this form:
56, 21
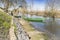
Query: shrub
5, 20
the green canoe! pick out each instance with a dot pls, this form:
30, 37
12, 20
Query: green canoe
34, 19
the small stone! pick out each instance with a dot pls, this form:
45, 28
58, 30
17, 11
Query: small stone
42, 39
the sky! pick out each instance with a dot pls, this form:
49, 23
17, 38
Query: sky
37, 4
41, 4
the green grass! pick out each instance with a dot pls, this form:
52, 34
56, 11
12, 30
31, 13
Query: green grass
5, 20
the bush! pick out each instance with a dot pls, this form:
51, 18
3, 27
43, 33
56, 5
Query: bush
5, 20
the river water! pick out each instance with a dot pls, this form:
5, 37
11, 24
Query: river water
50, 27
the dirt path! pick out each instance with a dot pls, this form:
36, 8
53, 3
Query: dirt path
11, 31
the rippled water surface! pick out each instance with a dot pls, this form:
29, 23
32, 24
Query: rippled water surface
50, 28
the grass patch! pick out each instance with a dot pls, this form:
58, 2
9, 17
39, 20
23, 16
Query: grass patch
5, 21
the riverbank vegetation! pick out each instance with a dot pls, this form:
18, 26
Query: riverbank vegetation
5, 22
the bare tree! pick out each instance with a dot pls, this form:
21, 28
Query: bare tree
51, 13
50, 9
6, 4
17, 4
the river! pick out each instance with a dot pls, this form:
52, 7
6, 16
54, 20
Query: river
50, 28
